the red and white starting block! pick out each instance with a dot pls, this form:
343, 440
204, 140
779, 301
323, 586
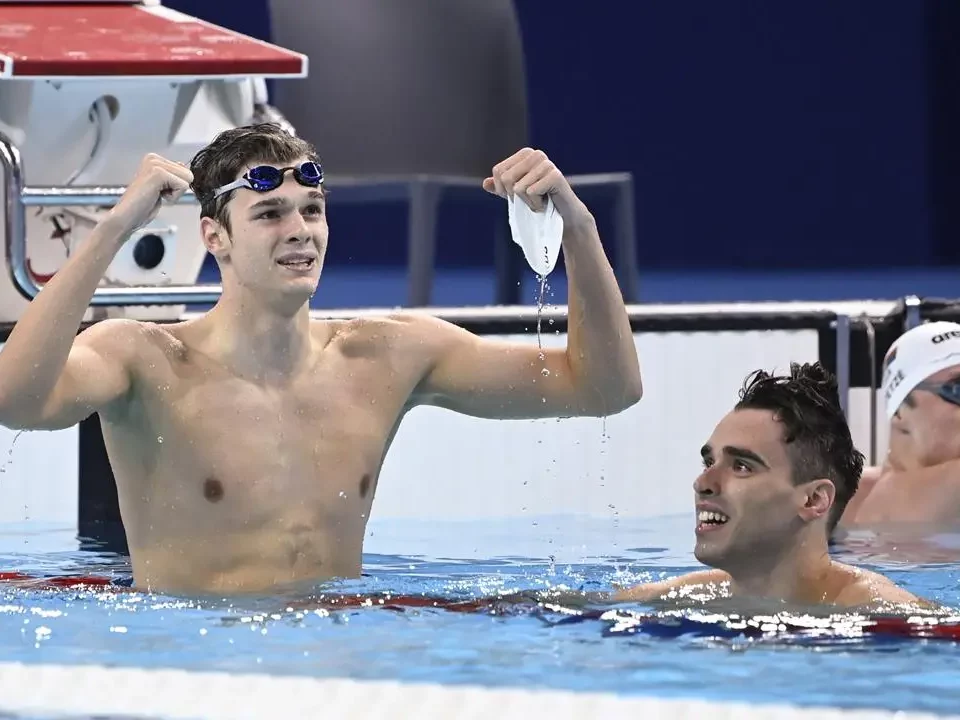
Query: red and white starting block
85, 91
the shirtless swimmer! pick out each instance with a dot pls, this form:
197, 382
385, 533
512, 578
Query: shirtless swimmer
274, 425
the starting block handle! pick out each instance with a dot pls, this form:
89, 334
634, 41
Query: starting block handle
18, 197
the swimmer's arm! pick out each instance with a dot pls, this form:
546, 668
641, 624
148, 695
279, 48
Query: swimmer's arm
596, 374
49, 377
662, 590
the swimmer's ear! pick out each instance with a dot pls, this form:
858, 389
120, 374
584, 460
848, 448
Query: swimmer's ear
818, 499
213, 236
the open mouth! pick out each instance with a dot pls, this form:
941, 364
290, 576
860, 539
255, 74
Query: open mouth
708, 521
298, 262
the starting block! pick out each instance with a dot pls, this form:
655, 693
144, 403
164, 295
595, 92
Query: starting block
86, 90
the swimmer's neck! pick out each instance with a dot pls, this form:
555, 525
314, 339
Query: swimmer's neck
255, 339
798, 575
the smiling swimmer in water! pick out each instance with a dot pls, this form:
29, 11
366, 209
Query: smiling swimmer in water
778, 471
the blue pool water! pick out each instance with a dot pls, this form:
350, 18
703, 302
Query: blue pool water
522, 647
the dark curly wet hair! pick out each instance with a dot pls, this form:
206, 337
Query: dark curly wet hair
807, 403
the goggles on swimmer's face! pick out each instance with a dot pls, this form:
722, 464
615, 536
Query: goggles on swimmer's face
265, 178
948, 391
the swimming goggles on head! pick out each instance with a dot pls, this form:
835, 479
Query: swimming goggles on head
265, 178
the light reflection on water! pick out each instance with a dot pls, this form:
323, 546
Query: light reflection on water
714, 650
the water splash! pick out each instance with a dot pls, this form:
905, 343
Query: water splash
13, 444
540, 305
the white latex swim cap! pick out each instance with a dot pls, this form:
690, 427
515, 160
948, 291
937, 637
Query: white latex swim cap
538, 233
915, 356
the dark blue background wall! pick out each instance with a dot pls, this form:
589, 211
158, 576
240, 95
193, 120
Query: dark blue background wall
810, 134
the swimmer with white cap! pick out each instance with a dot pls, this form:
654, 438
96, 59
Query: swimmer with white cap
247, 443
919, 481
778, 471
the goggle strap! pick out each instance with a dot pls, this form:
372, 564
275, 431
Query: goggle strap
245, 183
236, 184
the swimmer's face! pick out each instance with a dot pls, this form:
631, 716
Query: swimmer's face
277, 240
926, 428
747, 480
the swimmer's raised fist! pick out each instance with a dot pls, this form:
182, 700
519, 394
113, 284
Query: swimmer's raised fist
158, 180
531, 176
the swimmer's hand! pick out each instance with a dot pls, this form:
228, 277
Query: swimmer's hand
158, 180
531, 176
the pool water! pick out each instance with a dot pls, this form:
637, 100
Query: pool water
522, 645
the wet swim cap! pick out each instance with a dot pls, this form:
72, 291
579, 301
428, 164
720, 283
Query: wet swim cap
915, 356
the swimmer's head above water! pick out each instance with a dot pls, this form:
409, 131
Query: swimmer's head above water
916, 488
921, 390
778, 471
262, 209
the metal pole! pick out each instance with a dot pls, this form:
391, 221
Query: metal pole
843, 362
911, 317
15, 230
17, 198
872, 348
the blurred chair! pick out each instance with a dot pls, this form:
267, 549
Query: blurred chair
408, 100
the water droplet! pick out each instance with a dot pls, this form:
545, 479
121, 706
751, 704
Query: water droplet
159, 438
342, 494
545, 372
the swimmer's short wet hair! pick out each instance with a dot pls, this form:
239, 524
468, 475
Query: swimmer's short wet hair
807, 404
221, 161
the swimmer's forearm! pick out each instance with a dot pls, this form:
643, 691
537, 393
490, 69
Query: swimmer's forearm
37, 349
600, 345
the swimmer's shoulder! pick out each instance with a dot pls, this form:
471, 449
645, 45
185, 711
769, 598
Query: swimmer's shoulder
408, 331
865, 588
712, 582
170, 339
868, 481
146, 347
122, 338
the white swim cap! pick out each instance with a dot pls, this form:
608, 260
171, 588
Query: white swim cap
915, 356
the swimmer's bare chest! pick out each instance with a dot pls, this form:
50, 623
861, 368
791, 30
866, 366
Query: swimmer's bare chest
227, 483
